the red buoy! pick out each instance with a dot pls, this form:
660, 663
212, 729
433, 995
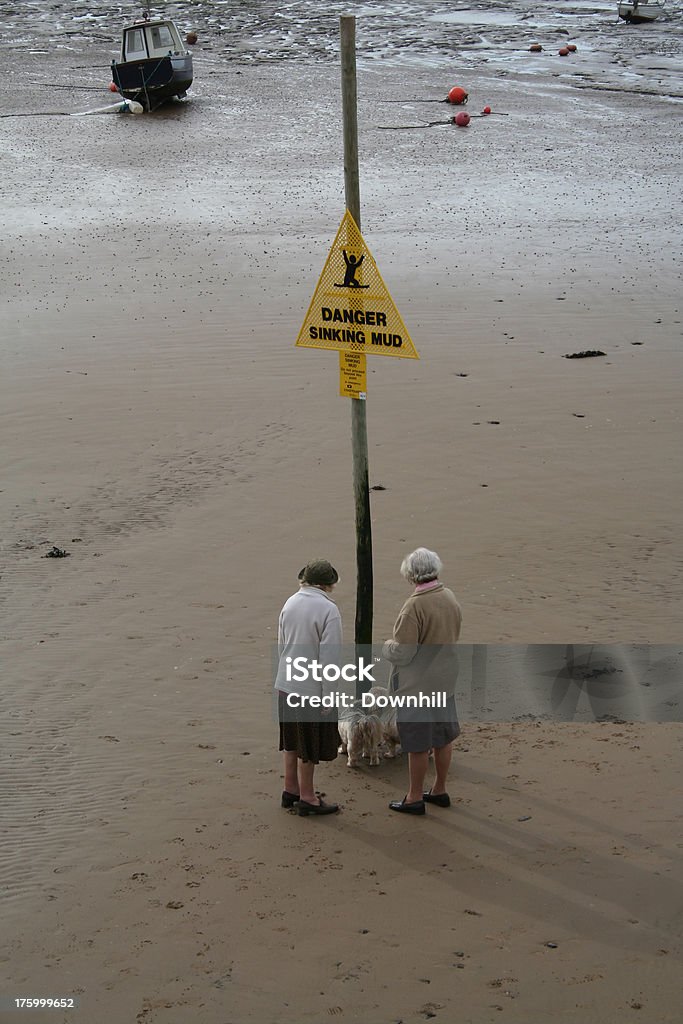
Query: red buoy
462, 119
191, 38
112, 87
571, 47
535, 48
486, 110
457, 95
563, 51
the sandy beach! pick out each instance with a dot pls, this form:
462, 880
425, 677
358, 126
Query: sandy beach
160, 426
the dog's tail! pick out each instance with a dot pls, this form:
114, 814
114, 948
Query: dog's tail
369, 728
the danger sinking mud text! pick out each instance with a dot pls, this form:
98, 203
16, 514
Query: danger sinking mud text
366, 317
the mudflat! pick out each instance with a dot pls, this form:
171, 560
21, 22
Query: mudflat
161, 428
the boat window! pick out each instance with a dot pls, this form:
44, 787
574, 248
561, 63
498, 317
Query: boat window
160, 39
135, 44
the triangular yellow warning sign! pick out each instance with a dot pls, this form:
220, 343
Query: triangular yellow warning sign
351, 309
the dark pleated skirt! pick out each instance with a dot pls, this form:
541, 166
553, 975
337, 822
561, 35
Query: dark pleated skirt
417, 736
312, 741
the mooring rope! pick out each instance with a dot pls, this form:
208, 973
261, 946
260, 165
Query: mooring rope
433, 124
40, 113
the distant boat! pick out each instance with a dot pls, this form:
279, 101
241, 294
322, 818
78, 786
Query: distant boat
640, 11
154, 65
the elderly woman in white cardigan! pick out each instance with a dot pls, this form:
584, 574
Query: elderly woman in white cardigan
309, 623
424, 660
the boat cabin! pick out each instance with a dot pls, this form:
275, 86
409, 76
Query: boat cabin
146, 39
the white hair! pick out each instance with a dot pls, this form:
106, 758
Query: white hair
421, 566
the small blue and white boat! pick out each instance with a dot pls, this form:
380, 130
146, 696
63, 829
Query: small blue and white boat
155, 64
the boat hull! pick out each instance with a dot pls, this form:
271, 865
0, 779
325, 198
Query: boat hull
153, 80
639, 14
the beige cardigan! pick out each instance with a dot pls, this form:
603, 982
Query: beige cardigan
422, 649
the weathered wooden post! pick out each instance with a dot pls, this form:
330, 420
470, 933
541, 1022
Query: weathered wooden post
359, 434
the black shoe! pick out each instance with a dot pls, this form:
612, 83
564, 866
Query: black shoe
400, 805
305, 808
288, 799
440, 799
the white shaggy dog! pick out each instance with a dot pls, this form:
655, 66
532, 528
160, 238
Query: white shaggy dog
363, 731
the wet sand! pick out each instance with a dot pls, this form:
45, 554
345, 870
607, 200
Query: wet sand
161, 427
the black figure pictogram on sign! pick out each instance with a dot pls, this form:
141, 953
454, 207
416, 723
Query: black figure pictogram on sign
352, 265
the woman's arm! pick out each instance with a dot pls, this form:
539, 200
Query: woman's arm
403, 646
330, 652
332, 630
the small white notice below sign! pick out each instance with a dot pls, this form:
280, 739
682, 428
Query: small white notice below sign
352, 375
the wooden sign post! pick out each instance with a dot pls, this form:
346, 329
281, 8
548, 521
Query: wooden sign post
359, 432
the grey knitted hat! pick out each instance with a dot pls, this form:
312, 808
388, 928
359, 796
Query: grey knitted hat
319, 573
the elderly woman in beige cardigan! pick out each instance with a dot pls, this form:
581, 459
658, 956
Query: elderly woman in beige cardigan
424, 659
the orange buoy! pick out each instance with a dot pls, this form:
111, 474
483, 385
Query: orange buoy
571, 47
462, 119
486, 110
563, 51
535, 48
191, 38
112, 87
457, 95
